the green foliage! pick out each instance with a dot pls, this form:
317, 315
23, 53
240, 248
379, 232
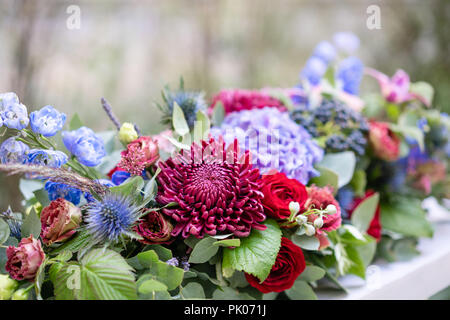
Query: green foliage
301, 291
257, 253
359, 182
179, 122
203, 250
364, 212
218, 114
405, 216
227, 293
131, 187
4, 231
341, 163
201, 126
311, 273
326, 177
101, 274
228, 243
77, 242
31, 225
306, 242
423, 89
400, 249
28, 187
193, 290
75, 122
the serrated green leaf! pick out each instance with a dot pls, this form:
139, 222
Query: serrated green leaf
364, 212
179, 122
4, 231
342, 163
193, 290
228, 243
405, 216
74, 244
31, 225
257, 253
101, 274
203, 250
311, 273
301, 291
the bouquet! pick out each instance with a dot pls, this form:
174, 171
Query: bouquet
255, 194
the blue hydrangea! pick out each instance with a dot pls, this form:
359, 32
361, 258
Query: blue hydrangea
111, 218
47, 121
350, 73
85, 145
107, 183
346, 42
314, 70
50, 158
59, 190
14, 115
13, 151
325, 51
274, 140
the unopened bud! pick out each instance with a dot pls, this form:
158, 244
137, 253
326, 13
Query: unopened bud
301, 219
127, 133
318, 223
330, 209
20, 294
310, 230
7, 286
294, 207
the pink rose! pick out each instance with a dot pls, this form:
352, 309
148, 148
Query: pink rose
59, 221
385, 144
24, 261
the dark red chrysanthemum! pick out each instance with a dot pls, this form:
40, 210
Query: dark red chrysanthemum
216, 190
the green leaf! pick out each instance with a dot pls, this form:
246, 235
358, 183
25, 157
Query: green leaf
203, 250
326, 177
218, 114
238, 280
367, 250
163, 253
177, 144
301, 291
228, 293
423, 89
257, 253
306, 242
151, 285
131, 187
31, 225
4, 231
409, 131
228, 243
39, 279
101, 274
364, 212
64, 256
193, 290
42, 196
74, 244
201, 126
179, 121
28, 187
342, 163
311, 273
405, 216
357, 267
147, 258
359, 182
75, 122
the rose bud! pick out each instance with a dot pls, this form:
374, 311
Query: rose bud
385, 144
7, 286
59, 221
154, 228
24, 261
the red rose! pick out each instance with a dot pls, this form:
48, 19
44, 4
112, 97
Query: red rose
25, 259
59, 221
289, 264
238, 100
154, 228
279, 191
385, 144
375, 226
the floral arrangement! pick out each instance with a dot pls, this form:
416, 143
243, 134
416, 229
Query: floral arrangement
256, 194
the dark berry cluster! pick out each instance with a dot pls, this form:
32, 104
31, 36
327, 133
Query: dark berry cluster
338, 126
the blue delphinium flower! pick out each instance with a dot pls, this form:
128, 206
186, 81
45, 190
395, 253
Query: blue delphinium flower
346, 42
50, 158
107, 183
8, 98
84, 144
47, 121
325, 51
13, 151
111, 218
274, 140
15, 116
59, 190
119, 177
314, 70
345, 198
350, 73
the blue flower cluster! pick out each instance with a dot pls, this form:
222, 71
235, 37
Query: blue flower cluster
50, 158
59, 190
349, 70
13, 151
84, 144
13, 114
47, 121
274, 140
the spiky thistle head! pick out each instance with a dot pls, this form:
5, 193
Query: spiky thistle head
189, 101
111, 218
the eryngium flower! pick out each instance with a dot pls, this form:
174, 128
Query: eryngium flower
216, 189
111, 218
275, 141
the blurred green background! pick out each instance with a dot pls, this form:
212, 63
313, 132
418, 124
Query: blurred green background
126, 51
